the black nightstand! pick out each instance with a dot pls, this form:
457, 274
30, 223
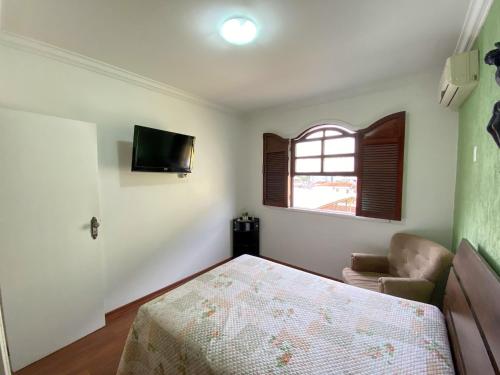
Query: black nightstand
246, 236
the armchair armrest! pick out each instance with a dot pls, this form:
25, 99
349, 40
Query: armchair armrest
369, 263
405, 287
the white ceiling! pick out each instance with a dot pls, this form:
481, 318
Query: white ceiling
306, 48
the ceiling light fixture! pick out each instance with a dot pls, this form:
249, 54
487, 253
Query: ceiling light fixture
238, 30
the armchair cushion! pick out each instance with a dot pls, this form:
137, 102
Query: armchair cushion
369, 263
405, 287
365, 280
417, 257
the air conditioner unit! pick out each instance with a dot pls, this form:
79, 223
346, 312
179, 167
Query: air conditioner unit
460, 77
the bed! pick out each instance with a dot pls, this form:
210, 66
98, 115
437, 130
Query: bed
254, 316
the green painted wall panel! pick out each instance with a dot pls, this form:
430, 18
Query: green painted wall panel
477, 196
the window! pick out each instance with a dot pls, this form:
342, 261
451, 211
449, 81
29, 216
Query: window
323, 175
330, 168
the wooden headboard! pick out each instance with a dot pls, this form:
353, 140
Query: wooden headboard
472, 312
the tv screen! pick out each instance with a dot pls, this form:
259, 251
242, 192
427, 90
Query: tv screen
157, 150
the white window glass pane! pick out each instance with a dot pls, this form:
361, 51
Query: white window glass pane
339, 164
315, 135
308, 165
308, 148
339, 146
325, 193
332, 133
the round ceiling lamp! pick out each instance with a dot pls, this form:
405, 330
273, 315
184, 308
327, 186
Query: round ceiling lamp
238, 30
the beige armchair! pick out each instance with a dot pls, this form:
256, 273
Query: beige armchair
411, 269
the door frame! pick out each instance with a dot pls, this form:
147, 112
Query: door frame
4, 350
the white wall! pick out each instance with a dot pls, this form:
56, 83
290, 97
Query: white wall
323, 243
156, 228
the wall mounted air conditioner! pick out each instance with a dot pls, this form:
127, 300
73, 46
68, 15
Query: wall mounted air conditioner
460, 76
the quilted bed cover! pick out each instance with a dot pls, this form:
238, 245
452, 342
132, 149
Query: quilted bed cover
254, 316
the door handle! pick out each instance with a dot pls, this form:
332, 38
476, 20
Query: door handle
94, 224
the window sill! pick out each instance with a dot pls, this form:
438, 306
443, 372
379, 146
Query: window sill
334, 214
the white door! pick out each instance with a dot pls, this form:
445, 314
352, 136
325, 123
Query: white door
50, 267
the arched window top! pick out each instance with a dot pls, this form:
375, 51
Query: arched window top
326, 150
324, 131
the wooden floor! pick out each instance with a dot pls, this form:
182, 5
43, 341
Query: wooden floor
96, 354
99, 353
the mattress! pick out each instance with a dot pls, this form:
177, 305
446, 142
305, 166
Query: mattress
253, 316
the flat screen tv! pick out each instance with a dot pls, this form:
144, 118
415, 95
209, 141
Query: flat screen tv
157, 150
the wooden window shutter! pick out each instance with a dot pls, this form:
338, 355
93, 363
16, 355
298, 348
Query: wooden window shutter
275, 170
380, 168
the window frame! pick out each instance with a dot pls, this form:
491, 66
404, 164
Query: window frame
379, 167
302, 138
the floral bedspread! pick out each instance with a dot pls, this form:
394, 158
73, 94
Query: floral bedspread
253, 316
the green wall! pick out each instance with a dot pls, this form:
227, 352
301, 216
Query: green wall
477, 196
